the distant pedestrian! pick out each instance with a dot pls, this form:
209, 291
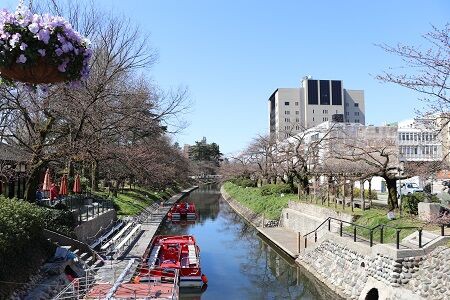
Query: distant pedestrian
53, 192
39, 194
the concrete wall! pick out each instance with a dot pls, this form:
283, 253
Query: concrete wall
304, 218
87, 230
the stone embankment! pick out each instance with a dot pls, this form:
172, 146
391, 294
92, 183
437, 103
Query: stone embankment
352, 274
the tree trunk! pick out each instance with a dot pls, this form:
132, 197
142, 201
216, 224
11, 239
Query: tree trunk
363, 196
343, 195
94, 175
370, 192
352, 183
71, 169
33, 181
328, 191
391, 185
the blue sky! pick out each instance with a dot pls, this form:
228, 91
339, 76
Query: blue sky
233, 54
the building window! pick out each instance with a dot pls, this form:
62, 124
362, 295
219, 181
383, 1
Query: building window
324, 92
313, 110
287, 112
356, 120
296, 103
297, 112
356, 104
346, 103
325, 111
356, 113
347, 113
313, 93
297, 127
313, 119
336, 92
297, 120
286, 103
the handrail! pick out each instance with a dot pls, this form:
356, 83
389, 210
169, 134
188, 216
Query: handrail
371, 231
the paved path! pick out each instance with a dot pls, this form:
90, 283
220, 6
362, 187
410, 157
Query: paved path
284, 238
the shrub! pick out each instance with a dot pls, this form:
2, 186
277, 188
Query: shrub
410, 203
373, 194
243, 182
275, 189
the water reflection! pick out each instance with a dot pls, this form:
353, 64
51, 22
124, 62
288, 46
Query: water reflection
240, 264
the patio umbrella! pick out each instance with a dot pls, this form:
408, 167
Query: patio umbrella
47, 181
63, 186
77, 184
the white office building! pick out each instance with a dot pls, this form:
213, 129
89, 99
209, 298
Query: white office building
292, 110
419, 140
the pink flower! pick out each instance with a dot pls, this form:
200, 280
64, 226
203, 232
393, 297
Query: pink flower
21, 59
33, 27
14, 39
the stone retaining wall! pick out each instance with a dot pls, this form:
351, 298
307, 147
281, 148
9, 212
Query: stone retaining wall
352, 274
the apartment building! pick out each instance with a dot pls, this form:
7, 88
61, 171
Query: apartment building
292, 110
419, 140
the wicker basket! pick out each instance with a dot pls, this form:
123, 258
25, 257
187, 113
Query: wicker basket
41, 73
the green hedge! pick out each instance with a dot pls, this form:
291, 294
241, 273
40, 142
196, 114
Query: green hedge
275, 189
410, 203
357, 193
23, 247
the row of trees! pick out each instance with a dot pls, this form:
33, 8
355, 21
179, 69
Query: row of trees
341, 156
114, 125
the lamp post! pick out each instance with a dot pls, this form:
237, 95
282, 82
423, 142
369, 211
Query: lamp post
401, 161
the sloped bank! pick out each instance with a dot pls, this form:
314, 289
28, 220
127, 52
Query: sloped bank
249, 215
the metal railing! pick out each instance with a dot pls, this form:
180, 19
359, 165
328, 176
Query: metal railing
78, 288
371, 230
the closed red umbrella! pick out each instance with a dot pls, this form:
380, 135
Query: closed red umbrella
77, 185
63, 186
47, 181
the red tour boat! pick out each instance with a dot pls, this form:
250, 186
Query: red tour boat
172, 252
183, 211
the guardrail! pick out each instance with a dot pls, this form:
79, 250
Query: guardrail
371, 230
85, 206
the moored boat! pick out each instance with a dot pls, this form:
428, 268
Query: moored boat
183, 211
173, 252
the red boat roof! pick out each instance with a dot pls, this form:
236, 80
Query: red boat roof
174, 239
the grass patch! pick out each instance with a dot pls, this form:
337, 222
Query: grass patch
374, 217
270, 205
130, 202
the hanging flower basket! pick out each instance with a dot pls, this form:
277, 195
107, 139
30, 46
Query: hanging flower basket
41, 49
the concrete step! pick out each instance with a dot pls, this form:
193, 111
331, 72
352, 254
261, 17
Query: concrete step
83, 256
89, 261
412, 240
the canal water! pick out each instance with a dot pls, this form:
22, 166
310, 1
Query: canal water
239, 263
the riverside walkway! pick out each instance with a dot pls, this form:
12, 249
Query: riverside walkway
111, 270
283, 238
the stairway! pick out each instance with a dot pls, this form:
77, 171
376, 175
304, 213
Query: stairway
412, 240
